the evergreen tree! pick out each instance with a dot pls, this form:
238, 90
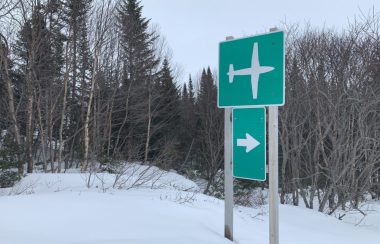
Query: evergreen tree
210, 140
35, 49
191, 91
8, 161
40, 51
184, 94
75, 16
187, 131
137, 43
169, 96
135, 99
166, 117
10, 86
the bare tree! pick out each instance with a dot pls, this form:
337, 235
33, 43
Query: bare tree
103, 20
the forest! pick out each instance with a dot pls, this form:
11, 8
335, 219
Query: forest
91, 84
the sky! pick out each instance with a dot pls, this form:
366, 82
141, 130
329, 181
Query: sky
194, 28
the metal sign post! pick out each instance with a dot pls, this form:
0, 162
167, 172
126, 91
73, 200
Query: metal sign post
273, 175
228, 178
273, 171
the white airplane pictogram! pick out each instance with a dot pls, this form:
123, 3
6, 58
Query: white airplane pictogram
254, 71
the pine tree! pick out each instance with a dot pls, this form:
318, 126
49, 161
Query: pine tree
9, 160
39, 69
187, 131
75, 16
191, 91
210, 138
184, 94
10, 89
137, 43
135, 100
169, 95
47, 102
166, 118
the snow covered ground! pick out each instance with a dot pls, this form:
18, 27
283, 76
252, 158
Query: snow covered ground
59, 208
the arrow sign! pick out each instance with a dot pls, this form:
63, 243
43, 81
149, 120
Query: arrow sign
248, 133
249, 143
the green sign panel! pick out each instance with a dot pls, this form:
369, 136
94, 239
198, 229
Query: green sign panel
249, 143
251, 71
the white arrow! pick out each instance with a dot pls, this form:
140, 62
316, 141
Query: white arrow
250, 143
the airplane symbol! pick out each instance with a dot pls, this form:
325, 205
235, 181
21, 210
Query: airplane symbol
254, 71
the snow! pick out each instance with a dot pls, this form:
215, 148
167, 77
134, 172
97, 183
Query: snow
59, 208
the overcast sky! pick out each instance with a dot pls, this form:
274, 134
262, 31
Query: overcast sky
193, 28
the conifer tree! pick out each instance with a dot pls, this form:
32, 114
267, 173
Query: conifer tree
210, 140
169, 97
7, 93
39, 69
191, 91
184, 94
76, 18
137, 43
187, 131
135, 100
166, 117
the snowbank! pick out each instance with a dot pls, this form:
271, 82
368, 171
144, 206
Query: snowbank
59, 208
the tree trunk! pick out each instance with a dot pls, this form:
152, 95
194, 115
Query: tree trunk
124, 120
65, 84
42, 135
29, 133
86, 124
87, 120
149, 124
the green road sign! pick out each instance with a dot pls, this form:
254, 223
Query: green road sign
251, 71
249, 143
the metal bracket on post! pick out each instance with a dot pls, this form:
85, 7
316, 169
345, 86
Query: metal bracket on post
228, 178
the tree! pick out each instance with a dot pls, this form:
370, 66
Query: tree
210, 124
39, 69
328, 141
187, 130
134, 118
166, 117
76, 18
191, 91
5, 77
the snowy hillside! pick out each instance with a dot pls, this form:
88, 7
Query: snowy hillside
59, 208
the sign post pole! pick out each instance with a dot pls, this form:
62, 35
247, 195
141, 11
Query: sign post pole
228, 178
273, 172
